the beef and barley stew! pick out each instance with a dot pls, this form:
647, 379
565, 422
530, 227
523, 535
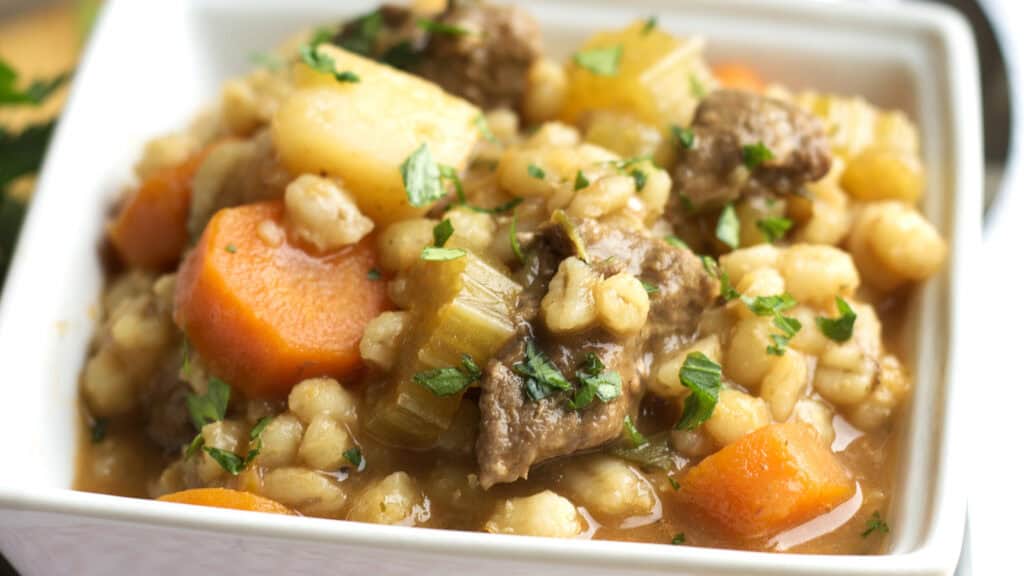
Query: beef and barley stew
411, 271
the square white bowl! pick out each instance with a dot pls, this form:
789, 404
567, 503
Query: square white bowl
151, 65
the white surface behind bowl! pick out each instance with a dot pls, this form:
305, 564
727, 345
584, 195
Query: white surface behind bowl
151, 65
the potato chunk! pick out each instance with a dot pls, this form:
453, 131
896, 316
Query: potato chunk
362, 131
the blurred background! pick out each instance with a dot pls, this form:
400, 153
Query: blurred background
41, 40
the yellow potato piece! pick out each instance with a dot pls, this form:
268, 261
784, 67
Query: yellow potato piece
659, 81
362, 131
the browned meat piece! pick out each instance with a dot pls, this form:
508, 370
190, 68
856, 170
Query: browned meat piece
476, 50
713, 172
488, 64
164, 409
517, 431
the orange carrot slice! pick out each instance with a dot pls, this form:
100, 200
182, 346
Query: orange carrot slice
225, 498
738, 77
264, 314
768, 481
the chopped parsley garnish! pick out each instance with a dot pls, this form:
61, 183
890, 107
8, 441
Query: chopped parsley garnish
725, 289
684, 136
312, 57
639, 178
875, 524
789, 327
769, 305
450, 174
728, 228
697, 89
673, 483
194, 446
230, 249
449, 381
373, 274
675, 242
703, 377
650, 24
485, 129
581, 181
756, 154
513, 239
562, 219
421, 177
838, 329
435, 254
442, 232
774, 228
209, 407
679, 539
256, 440
22, 153
37, 91
535, 172
632, 434
595, 382
435, 27
354, 456
232, 463
360, 36
600, 61
98, 430
649, 288
541, 378
654, 453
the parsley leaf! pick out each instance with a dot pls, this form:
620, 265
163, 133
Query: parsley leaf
37, 91
448, 173
674, 483
449, 381
499, 209
595, 382
581, 181
562, 219
875, 524
649, 288
98, 430
769, 305
211, 406
684, 136
360, 35
256, 440
535, 172
632, 434
675, 242
728, 228
485, 129
774, 228
725, 289
639, 179
22, 153
703, 378
756, 154
230, 249
354, 456
513, 238
789, 327
232, 463
600, 61
267, 60
312, 57
838, 329
435, 254
435, 27
541, 378
679, 538
373, 274
421, 177
195, 445
654, 453
442, 232
650, 24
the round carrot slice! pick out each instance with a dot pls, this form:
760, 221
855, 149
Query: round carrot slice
224, 498
738, 77
264, 314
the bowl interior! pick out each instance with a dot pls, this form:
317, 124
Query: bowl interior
155, 64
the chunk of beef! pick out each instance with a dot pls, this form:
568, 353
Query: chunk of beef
713, 172
488, 64
517, 431
163, 401
478, 51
